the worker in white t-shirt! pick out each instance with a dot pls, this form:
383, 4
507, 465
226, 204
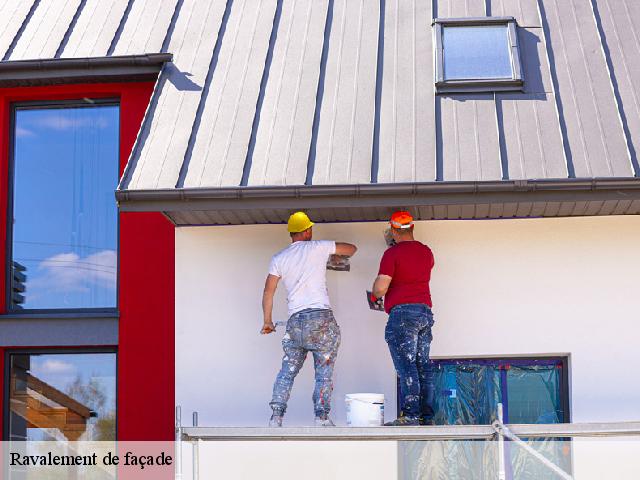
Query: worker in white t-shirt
311, 326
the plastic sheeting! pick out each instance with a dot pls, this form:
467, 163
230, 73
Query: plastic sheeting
467, 392
448, 460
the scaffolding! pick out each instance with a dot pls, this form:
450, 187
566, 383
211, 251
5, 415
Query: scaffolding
498, 432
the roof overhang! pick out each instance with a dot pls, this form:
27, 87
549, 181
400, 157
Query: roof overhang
55, 71
432, 200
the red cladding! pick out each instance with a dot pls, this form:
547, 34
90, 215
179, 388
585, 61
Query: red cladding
146, 295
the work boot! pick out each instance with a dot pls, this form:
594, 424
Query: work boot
404, 421
324, 421
275, 420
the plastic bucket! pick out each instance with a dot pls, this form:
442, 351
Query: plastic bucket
365, 409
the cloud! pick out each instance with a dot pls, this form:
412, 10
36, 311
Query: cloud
23, 133
68, 272
59, 122
51, 366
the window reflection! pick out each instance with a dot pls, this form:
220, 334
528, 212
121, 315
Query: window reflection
65, 220
476, 52
62, 397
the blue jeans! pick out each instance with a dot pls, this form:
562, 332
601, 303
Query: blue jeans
315, 331
408, 335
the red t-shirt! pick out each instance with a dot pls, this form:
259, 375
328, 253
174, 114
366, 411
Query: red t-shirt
409, 265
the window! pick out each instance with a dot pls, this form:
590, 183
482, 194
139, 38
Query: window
477, 54
64, 235
467, 391
61, 396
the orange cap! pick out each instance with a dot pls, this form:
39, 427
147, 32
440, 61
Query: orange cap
401, 219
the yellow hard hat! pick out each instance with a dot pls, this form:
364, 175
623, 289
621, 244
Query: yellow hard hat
299, 222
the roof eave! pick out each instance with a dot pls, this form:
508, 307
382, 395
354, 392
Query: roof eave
91, 69
379, 195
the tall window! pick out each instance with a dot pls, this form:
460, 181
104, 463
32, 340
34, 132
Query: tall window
64, 235
62, 396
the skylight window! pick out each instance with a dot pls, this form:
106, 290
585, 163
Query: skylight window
477, 55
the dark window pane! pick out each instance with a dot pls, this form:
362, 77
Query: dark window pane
476, 52
62, 396
65, 228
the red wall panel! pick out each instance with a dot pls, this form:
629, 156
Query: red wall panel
146, 288
146, 349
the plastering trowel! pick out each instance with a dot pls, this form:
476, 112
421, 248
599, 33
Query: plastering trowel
376, 304
339, 263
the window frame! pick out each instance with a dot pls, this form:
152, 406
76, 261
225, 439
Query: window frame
10, 310
6, 375
515, 83
500, 362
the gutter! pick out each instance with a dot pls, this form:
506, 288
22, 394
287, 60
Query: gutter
58, 70
382, 196
378, 190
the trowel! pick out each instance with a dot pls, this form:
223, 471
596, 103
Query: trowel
339, 263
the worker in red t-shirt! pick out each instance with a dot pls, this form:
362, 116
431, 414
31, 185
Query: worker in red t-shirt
403, 281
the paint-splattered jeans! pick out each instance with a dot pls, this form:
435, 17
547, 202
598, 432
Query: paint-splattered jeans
408, 334
315, 331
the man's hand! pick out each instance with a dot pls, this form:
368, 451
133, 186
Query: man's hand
270, 285
375, 303
381, 285
268, 327
345, 249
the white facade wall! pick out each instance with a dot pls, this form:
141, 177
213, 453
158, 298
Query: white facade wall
551, 286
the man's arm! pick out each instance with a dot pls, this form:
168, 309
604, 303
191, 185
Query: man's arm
381, 285
270, 285
345, 249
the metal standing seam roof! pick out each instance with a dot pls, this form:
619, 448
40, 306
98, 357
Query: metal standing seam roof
312, 93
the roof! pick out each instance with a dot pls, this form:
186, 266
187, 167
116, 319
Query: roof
311, 93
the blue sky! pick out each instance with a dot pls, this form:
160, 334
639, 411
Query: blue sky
65, 216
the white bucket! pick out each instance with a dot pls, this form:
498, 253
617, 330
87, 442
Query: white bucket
365, 409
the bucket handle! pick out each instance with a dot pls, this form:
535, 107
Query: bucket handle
364, 401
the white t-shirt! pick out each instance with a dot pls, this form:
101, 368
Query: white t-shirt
303, 269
